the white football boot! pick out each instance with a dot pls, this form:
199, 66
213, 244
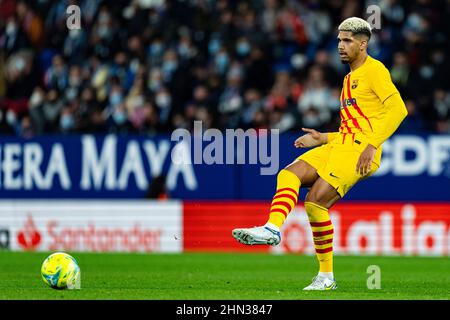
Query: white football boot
321, 283
257, 235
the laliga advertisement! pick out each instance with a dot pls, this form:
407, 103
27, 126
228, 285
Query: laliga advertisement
359, 228
93, 226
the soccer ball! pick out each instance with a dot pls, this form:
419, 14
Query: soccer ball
61, 271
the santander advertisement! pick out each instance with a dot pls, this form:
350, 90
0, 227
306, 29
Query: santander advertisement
92, 226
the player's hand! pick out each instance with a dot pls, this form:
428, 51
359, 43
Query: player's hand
363, 166
312, 139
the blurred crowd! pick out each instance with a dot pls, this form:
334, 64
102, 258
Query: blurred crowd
151, 66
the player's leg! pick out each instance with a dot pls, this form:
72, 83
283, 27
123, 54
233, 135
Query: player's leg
318, 200
289, 180
336, 179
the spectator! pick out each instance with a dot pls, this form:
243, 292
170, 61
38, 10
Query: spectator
118, 120
67, 122
158, 189
31, 22
441, 105
414, 122
36, 112
146, 120
400, 70
5, 128
163, 101
13, 39
56, 76
153, 66
52, 108
316, 104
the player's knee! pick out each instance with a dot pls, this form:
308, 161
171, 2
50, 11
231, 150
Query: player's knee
322, 197
312, 196
316, 196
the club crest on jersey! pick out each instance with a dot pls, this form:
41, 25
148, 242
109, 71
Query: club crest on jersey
354, 83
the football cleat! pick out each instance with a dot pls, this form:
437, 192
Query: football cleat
257, 235
321, 283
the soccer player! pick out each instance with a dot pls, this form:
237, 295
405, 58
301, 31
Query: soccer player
371, 110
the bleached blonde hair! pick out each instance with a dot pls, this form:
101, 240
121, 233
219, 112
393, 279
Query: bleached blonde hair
356, 26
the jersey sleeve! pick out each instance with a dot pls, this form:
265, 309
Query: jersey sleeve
331, 136
391, 119
381, 82
393, 108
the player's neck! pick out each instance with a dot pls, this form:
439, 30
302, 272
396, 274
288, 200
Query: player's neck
358, 62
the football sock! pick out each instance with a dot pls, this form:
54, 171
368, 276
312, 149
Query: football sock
285, 198
322, 230
328, 275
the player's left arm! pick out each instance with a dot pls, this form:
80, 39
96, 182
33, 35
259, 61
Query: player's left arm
393, 114
314, 138
391, 119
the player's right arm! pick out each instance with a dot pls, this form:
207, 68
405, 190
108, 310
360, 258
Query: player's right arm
314, 138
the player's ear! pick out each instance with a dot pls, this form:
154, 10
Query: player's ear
363, 44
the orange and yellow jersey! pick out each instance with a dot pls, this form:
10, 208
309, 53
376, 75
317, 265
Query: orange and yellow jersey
363, 93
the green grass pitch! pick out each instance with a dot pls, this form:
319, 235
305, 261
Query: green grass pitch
224, 276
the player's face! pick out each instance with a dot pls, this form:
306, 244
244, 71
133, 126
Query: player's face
348, 47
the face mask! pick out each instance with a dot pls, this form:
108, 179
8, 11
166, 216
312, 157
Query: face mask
67, 122
19, 64
415, 22
119, 117
11, 118
134, 65
156, 49
213, 46
222, 62
74, 33
163, 100
36, 99
426, 72
170, 66
298, 61
183, 50
243, 48
71, 93
103, 31
11, 29
115, 99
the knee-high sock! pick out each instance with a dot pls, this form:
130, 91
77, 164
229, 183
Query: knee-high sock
285, 198
322, 230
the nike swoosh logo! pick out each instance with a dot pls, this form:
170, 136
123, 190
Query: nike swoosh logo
331, 174
273, 231
330, 286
